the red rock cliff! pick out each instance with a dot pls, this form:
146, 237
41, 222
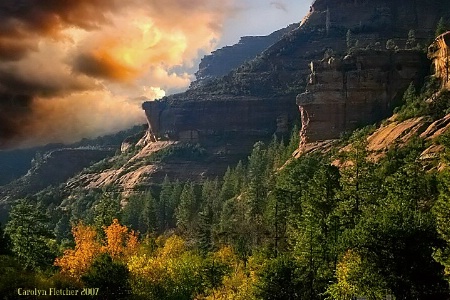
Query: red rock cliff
358, 89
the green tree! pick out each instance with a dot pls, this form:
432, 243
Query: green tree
349, 39
28, 230
411, 42
105, 211
165, 209
131, 213
359, 184
148, 216
441, 27
441, 211
282, 278
4, 241
294, 142
110, 277
187, 209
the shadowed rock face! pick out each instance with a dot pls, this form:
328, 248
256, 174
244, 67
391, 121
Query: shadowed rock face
359, 89
258, 98
196, 121
222, 61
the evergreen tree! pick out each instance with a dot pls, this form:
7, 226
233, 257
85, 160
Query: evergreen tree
227, 190
441, 27
294, 142
411, 42
256, 190
28, 230
441, 212
148, 216
175, 198
4, 241
360, 186
105, 211
349, 39
164, 207
132, 211
204, 230
187, 209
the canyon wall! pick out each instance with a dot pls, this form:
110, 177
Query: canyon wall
359, 89
258, 98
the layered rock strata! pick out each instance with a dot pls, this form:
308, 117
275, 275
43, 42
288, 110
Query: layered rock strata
439, 53
358, 89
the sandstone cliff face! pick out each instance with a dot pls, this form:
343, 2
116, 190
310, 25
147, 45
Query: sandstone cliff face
261, 93
358, 89
439, 53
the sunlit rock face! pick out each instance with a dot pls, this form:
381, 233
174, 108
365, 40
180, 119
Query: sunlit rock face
344, 93
439, 53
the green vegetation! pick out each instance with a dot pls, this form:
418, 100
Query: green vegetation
441, 27
331, 226
430, 102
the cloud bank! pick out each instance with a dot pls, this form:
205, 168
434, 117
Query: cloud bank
73, 69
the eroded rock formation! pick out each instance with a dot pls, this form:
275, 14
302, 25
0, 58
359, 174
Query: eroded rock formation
439, 53
358, 89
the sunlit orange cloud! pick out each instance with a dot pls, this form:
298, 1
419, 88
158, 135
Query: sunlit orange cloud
85, 66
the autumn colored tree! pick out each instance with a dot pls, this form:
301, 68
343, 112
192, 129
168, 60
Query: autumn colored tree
75, 262
120, 243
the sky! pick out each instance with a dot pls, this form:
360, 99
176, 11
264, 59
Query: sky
75, 69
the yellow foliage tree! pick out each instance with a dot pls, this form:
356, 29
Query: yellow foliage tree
75, 262
120, 244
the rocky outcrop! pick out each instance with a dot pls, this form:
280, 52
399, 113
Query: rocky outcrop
439, 53
358, 89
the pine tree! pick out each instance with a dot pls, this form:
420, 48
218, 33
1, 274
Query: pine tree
105, 211
187, 209
164, 209
148, 215
411, 42
349, 39
174, 202
256, 185
227, 190
441, 27
28, 230
132, 211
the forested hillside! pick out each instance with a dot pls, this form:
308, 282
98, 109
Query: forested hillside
328, 225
